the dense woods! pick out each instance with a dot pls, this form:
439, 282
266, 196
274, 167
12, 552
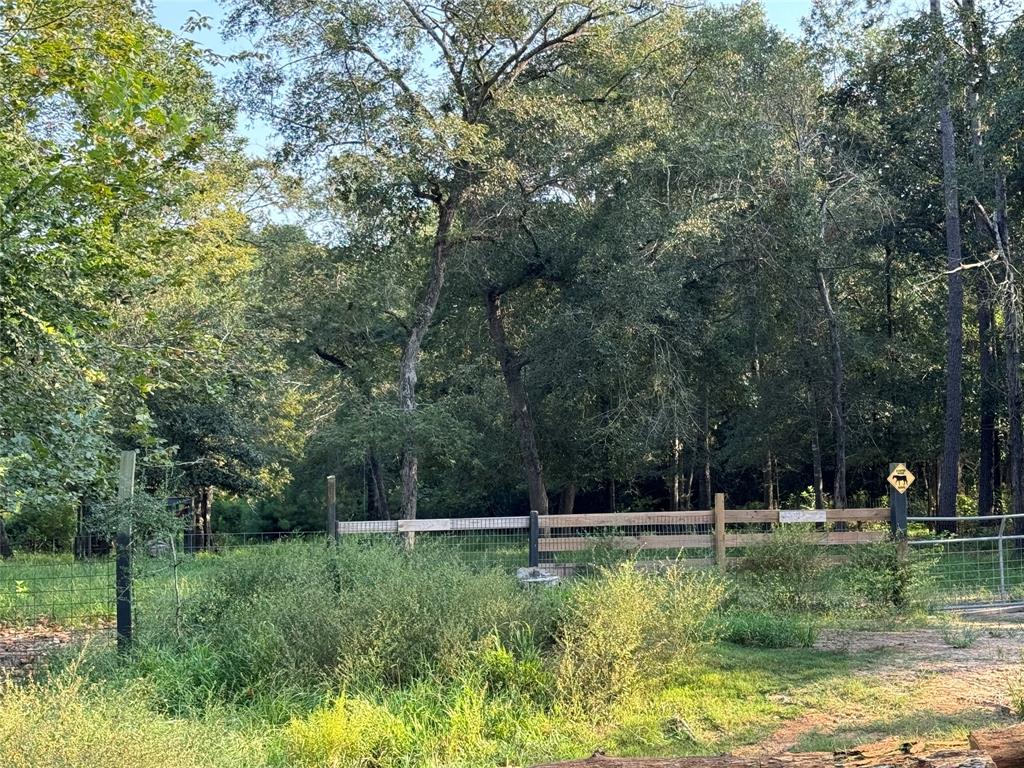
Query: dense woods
509, 255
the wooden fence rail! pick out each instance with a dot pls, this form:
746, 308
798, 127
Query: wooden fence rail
704, 536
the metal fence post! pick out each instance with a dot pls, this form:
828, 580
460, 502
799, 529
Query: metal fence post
332, 510
534, 538
123, 569
719, 517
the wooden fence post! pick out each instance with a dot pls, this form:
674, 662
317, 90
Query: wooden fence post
719, 514
534, 538
123, 569
332, 510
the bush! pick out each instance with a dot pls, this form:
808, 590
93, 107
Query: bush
626, 629
364, 614
765, 630
788, 572
882, 577
352, 732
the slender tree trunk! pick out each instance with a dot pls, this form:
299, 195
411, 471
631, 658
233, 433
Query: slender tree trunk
988, 399
381, 507
677, 472
1012, 326
512, 371
413, 345
706, 500
974, 43
567, 501
613, 502
6, 552
819, 481
953, 422
837, 407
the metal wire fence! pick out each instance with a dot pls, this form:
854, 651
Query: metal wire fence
973, 561
56, 588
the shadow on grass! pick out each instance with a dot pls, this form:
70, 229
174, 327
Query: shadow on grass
923, 725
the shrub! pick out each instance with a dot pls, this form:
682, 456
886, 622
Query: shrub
626, 629
788, 572
765, 630
365, 614
882, 577
352, 732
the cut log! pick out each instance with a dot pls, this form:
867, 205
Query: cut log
1004, 745
896, 756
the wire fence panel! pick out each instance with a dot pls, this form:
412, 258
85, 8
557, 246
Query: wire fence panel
56, 588
975, 560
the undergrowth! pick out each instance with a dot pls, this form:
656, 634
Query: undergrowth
365, 655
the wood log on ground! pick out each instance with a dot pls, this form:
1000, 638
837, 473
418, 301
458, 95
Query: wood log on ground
888, 754
1004, 745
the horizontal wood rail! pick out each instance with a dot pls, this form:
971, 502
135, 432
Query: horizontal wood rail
678, 530
850, 515
619, 519
654, 541
437, 525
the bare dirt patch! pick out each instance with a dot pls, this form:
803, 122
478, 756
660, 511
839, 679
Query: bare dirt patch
920, 686
23, 649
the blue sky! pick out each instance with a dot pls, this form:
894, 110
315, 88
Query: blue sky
173, 14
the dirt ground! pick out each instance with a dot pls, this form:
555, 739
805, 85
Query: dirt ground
928, 682
22, 648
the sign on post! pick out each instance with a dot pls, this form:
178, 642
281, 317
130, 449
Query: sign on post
901, 478
802, 516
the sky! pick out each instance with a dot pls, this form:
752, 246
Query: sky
785, 14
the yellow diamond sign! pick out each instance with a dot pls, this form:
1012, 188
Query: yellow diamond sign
901, 478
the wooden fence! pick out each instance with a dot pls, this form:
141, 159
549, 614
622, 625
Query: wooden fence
697, 538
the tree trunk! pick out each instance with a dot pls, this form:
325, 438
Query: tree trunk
381, 507
1012, 328
6, 552
706, 500
953, 422
677, 473
974, 43
413, 345
512, 371
837, 408
567, 502
819, 481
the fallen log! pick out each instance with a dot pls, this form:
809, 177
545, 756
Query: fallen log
888, 754
1004, 745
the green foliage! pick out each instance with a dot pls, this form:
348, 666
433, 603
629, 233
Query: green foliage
626, 629
70, 722
787, 572
888, 577
769, 630
350, 733
365, 613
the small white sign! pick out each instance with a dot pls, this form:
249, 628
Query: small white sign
801, 515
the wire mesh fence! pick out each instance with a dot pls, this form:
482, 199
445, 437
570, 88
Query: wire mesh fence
56, 588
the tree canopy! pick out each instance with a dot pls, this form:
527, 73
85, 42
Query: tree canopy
588, 256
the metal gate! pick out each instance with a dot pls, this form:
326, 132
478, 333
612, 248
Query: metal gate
979, 562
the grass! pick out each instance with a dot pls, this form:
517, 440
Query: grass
295, 654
